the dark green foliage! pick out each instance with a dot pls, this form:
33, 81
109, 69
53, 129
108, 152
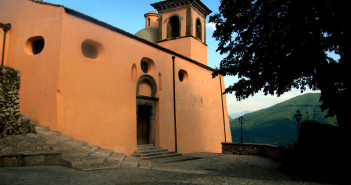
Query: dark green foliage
277, 45
276, 124
321, 154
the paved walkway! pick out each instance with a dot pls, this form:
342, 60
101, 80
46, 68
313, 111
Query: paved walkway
200, 168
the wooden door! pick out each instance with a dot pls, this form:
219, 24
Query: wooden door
143, 124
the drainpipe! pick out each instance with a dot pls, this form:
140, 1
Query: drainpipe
220, 82
5, 27
174, 109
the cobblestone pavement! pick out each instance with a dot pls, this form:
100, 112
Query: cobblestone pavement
201, 168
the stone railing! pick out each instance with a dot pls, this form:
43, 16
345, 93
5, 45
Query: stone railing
270, 151
11, 121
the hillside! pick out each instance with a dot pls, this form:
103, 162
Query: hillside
236, 115
276, 124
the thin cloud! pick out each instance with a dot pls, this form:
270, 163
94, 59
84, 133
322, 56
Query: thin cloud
211, 26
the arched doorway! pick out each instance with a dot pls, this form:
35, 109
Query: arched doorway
146, 110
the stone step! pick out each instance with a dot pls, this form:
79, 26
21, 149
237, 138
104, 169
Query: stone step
130, 162
104, 153
145, 146
98, 166
84, 161
173, 154
81, 155
155, 154
97, 157
47, 134
40, 128
106, 160
151, 151
80, 152
58, 140
114, 157
69, 146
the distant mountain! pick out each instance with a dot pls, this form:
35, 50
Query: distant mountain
276, 124
238, 114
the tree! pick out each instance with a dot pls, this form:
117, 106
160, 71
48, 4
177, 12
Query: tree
277, 45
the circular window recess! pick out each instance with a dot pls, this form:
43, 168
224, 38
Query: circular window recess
144, 66
92, 49
183, 76
147, 65
34, 45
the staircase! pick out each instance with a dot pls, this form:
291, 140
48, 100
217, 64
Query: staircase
81, 155
149, 151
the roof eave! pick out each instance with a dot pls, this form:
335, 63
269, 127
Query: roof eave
125, 33
171, 3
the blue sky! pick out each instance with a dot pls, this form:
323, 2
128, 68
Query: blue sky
129, 16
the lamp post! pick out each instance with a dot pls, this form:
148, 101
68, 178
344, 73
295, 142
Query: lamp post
298, 117
241, 122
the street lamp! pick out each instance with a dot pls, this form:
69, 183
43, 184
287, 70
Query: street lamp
298, 117
241, 122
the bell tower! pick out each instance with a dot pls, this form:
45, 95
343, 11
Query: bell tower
182, 27
151, 19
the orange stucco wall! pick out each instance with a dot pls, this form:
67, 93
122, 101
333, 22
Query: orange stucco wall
94, 100
189, 47
39, 73
199, 111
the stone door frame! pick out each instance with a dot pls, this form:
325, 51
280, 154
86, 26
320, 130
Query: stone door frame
148, 101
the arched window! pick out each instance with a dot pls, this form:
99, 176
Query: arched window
147, 65
144, 66
198, 29
183, 76
174, 27
134, 73
160, 81
146, 86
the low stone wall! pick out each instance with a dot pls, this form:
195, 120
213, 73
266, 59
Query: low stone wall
11, 121
270, 151
27, 150
31, 159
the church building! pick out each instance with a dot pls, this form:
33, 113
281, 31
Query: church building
97, 83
